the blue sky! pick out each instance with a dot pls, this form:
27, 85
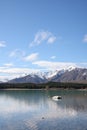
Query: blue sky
42, 35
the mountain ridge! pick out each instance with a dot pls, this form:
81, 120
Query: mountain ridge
71, 74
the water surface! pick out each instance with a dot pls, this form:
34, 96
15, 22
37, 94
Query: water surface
35, 110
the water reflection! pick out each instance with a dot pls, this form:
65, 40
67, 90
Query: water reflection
32, 108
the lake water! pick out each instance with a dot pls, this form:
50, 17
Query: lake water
35, 110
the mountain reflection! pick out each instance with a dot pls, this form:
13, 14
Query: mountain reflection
40, 102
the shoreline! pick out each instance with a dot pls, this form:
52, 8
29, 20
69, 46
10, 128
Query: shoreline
43, 89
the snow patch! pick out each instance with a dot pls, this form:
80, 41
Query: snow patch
84, 74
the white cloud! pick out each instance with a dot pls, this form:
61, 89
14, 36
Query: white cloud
42, 36
31, 57
2, 44
85, 38
17, 53
16, 70
53, 65
10, 73
53, 57
8, 64
51, 39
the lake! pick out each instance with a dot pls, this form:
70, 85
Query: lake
36, 110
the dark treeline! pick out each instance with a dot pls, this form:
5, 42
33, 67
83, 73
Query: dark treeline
49, 85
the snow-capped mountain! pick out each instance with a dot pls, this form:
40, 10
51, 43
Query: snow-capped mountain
52, 73
71, 74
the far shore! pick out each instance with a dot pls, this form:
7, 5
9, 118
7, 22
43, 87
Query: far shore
43, 86
43, 89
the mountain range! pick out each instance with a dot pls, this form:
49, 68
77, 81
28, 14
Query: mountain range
71, 74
